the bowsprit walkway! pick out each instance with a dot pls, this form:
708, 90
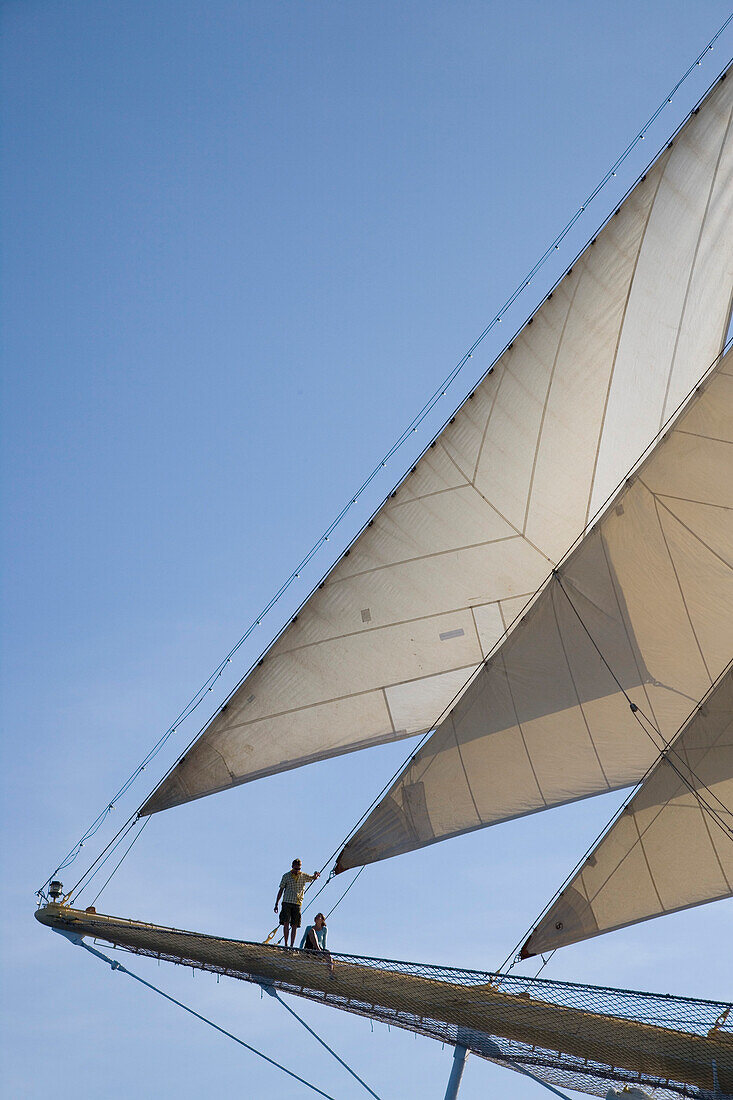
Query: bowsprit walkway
580, 1037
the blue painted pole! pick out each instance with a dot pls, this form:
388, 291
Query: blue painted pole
459, 1064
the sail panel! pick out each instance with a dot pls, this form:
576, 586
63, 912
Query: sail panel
693, 204
505, 489
641, 613
665, 852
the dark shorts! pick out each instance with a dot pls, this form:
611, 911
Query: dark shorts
290, 914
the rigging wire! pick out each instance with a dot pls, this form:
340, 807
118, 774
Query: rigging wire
519, 1068
125, 832
98, 862
336, 904
545, 961
116, 965
429, 405
272, 992
121, 860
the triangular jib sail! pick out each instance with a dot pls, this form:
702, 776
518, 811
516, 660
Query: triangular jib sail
627, 636
392, 635
670, 848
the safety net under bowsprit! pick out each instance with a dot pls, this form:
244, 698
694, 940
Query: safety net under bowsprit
582, 1037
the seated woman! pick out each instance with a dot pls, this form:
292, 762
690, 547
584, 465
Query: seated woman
314, 938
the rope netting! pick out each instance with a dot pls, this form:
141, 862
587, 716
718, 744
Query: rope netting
585, 1038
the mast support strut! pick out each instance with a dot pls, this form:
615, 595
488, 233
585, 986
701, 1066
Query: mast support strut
459, 1064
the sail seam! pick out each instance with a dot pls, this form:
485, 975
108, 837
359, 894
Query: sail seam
520, 729
663, 161
548, 392
579, 702
423, 557
729, 324
693, 265
607, 663
351, 695
463, 609
501, 377
672, 562
389, 710
592, 895
626, 627
451, 458
641, 833
645, 857
705, 816
533, 545
484, 654
500, 513
694, 534
698, 435
465, 770
693, 500
419, 497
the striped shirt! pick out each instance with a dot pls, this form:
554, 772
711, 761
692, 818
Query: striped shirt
294, 886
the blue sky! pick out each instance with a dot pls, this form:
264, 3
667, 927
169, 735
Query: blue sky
243, 243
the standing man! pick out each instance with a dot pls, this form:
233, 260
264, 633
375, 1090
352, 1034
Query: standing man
292, 886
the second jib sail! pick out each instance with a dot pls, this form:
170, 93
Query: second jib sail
627, 636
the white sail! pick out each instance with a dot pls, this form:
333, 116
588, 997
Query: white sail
390, 638
670, 848
641, 613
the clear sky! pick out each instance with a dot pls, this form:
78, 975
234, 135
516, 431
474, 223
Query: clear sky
243, 242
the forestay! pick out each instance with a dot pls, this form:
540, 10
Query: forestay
641, 611
392, 635
666, 851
